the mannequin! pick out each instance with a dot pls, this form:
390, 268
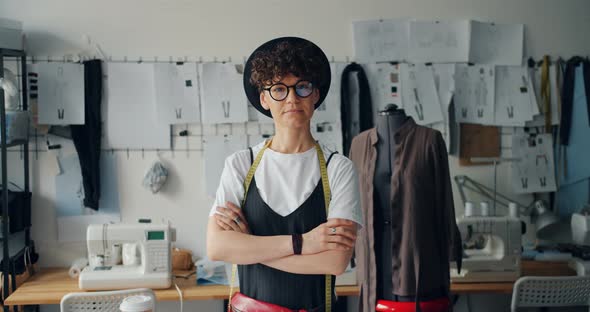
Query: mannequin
407, 199
388, 122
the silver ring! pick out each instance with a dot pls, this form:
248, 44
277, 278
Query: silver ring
237, 220
333, 230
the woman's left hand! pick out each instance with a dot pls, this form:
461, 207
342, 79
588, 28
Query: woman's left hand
231, 218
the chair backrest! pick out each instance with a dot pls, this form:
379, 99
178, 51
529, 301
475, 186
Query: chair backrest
551, 291
100, 301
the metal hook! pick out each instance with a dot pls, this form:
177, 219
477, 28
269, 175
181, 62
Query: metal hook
125, 59
128, 154
142, 153
171, 59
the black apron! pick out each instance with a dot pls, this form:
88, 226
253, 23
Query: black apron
263, 283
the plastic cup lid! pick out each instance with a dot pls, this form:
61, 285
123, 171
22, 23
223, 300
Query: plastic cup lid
137, 304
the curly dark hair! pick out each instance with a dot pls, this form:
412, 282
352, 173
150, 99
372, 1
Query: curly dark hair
298, 59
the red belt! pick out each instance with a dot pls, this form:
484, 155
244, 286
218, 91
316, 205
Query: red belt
243, 303
437, 305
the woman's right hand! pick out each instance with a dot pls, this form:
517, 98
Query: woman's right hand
336, 234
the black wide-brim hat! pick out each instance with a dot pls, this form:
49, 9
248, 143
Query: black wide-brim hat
252, 91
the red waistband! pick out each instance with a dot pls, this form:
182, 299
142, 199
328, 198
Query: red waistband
243, 303
437, 305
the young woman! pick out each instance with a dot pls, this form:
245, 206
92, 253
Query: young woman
286, 210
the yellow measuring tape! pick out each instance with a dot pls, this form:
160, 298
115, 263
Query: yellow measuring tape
327, 196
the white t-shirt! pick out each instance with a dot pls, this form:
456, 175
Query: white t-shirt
285, 181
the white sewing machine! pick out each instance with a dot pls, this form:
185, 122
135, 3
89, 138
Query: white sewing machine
128, 256
492, 249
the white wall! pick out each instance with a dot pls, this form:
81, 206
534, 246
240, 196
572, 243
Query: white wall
223, 29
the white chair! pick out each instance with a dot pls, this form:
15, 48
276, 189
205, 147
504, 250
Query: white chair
551, 291
100, 301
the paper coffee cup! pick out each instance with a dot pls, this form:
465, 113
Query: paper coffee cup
139, 303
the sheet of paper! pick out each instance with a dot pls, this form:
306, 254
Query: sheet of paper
61, 93
385, 84
496, 44
222, 91
534, 172
445, 85
380, 40
474, 94
217, 149
177, 93
513, 96
131, 119
420, 98
439, 41
329, 135
329, 111
444, 79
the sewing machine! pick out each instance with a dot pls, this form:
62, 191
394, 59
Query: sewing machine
128, 256
492, 248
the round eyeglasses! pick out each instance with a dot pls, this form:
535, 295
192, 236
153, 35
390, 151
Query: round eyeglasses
280, 91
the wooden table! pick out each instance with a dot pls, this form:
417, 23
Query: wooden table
528, 268
49, 285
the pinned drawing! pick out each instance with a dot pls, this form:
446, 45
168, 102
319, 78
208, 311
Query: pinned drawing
380, 40
474, 94
420, 98
533, 171
513, 96
223, 99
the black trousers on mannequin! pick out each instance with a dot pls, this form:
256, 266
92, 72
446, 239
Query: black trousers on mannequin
87, 136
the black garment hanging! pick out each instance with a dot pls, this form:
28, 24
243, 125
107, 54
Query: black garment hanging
86, 137
567, 95
263, 283
352, 126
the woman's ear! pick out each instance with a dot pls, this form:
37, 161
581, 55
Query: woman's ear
263, 101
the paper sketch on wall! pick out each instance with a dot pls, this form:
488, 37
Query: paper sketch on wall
514, 106
534, 171
380, 40
445, 86
61, 93
474, 94
217, 149
72, 216
439, 41
131, 119
539, 120
177, 93
385, 83
222, 93
329, 111
329, 135
496, 44
420, 98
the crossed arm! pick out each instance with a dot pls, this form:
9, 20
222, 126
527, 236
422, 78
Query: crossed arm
323, 252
